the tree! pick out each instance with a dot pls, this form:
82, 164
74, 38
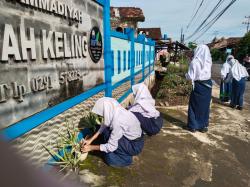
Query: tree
244, 47
214, 40
192, 45
217, 55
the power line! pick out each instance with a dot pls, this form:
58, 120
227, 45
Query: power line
202, 12
247, 22
195, 13
204, 21
214, 20
196, 3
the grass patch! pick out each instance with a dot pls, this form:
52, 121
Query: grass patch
174, 88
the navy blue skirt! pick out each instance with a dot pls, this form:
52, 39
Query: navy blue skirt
151, 126
238, 89
123, 155
199, 105
225, 91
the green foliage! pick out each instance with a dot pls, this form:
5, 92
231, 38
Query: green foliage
180, 70
244, 47
70, 156
184, 60
218, 55
174, 82
91, 120
192, 45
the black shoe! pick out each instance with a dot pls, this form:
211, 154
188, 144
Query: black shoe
204, 130
189, 129
239, 107
232, 106
192, 130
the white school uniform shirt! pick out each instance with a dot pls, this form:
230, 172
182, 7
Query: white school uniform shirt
119, 120
226, 67
200, 67
144, 102
238, 71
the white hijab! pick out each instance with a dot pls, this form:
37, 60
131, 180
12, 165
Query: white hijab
144, 102
226, 67
200, 67
202, 54
117, 118
106, 107
238, 71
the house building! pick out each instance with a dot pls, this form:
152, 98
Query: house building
124, 17
153, 33
227, 45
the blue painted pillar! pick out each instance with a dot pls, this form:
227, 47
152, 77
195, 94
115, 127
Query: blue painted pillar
143, 58
107, 49
153, 56
131, 35
150, 54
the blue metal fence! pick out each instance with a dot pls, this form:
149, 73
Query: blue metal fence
129, 57
124, 56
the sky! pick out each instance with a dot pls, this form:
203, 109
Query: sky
172, 15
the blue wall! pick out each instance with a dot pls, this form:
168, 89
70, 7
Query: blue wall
124, 56
123, 49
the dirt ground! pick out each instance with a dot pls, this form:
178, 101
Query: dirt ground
216, 77
176, 157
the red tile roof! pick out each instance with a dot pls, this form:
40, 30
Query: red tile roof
224, 43
153, 33
127, 13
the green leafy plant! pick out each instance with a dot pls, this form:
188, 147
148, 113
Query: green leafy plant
91, 120
69, 155
244, 47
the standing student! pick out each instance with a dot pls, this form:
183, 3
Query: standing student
199, 104
226, 83
145, 111
238, 74
121, 133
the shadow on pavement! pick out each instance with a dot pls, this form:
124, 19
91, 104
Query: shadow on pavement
169, 118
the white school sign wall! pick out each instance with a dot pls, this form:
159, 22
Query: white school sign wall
50, 51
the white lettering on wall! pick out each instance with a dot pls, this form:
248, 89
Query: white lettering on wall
67, 53
44, 4
59, 44
84, 46
3, 92
28, 43
21, 40
56, 7
47, 44
78, 45
53, 7
73, 46
61, 9
32, 2
10, 44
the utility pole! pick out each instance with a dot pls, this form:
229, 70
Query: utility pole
216, 34
182, 36
247, 22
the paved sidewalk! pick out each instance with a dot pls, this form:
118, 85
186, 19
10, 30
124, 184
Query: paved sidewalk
176, 157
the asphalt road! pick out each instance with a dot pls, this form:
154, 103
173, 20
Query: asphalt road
216, 76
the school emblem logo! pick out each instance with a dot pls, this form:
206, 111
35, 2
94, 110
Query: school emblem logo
95, 45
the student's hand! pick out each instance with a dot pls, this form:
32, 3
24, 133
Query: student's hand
86, 142
86, 148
